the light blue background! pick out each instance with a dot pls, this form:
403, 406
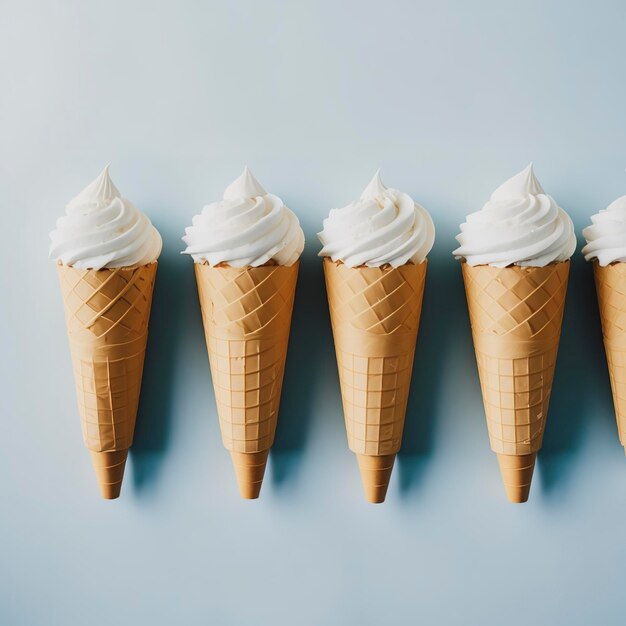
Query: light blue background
450, 99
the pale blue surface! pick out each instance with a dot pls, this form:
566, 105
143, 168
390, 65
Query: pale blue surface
449, 100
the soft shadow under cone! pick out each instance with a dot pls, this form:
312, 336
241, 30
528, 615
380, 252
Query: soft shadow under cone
375, 475
249, 469
517, 474
109, 468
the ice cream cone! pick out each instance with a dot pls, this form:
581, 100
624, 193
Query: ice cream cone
247, 314
375, 314
107, 314
611, 289
516, 315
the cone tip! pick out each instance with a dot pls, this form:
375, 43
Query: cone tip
517, 495
111, 492
376, 495
249, 470
109, 468
375, 475
517, 474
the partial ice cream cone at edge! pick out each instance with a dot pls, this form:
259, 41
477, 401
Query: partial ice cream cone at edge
247, 315
375, 313
516, 315
611, 289
107, 313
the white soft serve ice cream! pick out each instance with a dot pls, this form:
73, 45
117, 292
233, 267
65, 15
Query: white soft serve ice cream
101, 229
606, 237
384, 226
249, 227
520, 225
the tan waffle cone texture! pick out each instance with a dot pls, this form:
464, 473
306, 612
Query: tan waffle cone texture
375, 316
516, 315
107, 314
611, 288
247, 314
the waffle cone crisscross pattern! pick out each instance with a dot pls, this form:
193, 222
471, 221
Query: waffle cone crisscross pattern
611, 289
247, 315
375, 316
516, 315
107, 314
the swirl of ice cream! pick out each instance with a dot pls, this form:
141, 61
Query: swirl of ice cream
520, 225
383, 227
606, 237
249, 227
103, 230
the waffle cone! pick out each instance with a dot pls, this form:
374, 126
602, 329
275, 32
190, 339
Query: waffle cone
107, 315
247, 314
375, 316
611, 289
516, 315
